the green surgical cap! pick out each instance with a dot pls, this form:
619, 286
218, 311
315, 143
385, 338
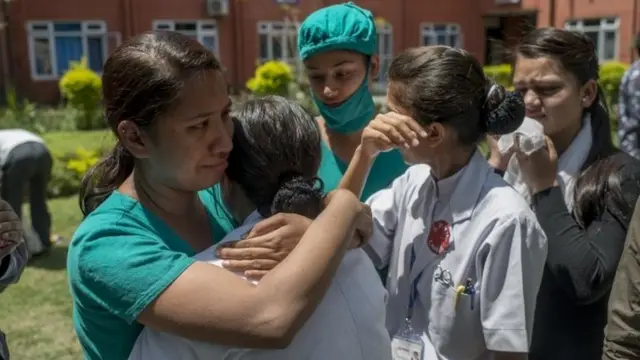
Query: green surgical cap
338, 27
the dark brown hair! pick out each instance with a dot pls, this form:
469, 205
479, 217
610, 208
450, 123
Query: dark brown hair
276, 155
575, 53
448, 85
141, 81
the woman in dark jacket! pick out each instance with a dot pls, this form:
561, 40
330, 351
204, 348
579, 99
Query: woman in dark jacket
581, 187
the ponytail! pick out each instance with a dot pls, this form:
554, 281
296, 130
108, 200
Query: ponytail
104, 178
599, 186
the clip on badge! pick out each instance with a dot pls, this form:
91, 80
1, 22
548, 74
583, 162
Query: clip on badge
408, 345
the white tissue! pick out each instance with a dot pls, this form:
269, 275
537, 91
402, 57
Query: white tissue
530, 136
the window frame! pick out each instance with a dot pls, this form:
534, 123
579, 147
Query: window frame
266, 28
428, 28
200, 31
605, 24
87, 29
382, 31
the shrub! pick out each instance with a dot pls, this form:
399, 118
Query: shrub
611, 73
20, 113
501, 74
272, 78
68, 171
81, 88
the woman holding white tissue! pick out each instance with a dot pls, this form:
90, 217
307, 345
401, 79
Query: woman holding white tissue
582, 188
349, 323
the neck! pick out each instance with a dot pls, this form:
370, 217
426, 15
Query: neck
450, 163
563, 139
158, 197
353, 137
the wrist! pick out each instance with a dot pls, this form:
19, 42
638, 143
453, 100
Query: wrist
498, 163
543, 187
362, 155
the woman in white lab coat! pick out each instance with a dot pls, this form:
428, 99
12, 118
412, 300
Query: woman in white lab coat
465, 252
270, 177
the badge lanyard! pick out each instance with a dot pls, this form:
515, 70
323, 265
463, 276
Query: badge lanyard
408, 343
413, 292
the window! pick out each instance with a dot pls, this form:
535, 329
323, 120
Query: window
277, 42
205, 31
603, 32
441, 34
53, 45
385, 51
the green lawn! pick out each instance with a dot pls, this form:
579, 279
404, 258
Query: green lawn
69, 141
36, 312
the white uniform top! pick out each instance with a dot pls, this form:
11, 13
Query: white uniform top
11, 138
495, 240
348, 324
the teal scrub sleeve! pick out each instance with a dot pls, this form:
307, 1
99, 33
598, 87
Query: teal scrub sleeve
121, 268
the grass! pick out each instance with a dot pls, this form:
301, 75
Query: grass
36, 312
68, 141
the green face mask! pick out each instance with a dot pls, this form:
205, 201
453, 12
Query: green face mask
352, 115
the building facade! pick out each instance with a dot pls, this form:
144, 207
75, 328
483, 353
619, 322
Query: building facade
41, 36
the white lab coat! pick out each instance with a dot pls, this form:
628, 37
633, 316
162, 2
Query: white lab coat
495, 240
348, 324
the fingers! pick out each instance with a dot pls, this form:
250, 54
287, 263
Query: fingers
356, 242
409, 124
268, 225
4, 206
249, 265
551, 148
398, 129
380, 140
230, 253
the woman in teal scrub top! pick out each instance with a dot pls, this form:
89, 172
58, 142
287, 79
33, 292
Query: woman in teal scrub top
130, 261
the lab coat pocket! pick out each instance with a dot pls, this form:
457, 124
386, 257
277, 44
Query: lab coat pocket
455, 326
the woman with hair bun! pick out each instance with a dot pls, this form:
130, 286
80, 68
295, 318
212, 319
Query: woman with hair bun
465, 252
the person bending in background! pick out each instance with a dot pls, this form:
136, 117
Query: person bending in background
25, 159
13, 256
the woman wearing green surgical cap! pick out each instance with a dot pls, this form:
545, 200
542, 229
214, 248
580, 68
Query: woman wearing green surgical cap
338, 45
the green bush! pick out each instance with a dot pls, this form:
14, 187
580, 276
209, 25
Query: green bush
611, 73
68, 171
501, 74
272, 78
81, 87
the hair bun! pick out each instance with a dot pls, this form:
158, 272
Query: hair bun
299, 195
503, 111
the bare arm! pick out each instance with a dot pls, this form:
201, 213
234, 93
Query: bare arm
357, 172
211, 304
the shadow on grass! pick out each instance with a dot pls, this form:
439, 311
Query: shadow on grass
56, 259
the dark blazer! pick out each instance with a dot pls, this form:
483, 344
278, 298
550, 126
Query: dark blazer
571, 310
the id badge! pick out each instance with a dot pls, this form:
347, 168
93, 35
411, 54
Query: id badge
407, 345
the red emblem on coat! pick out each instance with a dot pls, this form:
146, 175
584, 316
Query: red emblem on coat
439, 237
